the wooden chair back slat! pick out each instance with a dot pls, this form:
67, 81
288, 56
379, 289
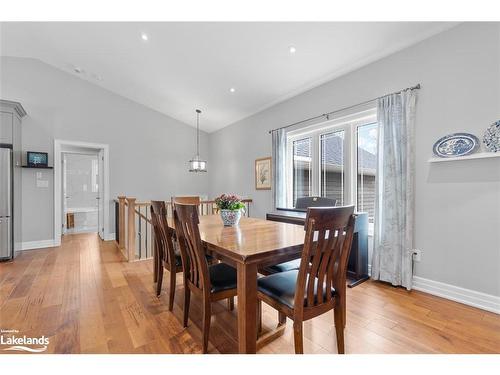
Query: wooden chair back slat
162, 232
325, 267
327, 244
187, 200
186, 223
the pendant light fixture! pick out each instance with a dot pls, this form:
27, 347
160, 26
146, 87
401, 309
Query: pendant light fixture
196, 164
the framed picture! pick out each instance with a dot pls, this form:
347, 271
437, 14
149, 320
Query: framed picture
263, 174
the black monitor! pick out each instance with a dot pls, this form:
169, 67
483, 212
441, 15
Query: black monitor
305, 202
37, 159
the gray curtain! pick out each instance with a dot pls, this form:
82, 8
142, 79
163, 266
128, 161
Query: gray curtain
279, 167
394, 203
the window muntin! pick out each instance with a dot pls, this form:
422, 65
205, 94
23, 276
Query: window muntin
332, 166
366, 148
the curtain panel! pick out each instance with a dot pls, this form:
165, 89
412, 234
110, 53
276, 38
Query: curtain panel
394, 202
279, 167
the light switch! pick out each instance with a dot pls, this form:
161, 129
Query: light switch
42, 183
38, 175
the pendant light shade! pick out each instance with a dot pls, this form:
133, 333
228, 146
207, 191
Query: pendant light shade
196, 164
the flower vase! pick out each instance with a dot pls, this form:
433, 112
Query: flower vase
230, 218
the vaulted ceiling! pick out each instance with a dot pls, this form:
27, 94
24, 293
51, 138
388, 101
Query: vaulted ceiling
228, 70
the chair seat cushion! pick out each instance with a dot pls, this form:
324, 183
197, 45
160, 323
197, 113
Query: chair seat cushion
222, 277
281, 287
284, 267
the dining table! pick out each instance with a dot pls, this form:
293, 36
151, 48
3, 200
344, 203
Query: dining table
249, 246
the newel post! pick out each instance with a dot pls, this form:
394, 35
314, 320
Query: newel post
131, 229
121, 221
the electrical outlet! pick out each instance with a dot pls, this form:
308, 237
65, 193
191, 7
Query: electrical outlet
417, 255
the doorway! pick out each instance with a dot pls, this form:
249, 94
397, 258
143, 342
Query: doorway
81, 193
81, 189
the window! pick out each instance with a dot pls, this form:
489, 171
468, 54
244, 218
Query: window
366, 144
301, 168
335, 159
332, 166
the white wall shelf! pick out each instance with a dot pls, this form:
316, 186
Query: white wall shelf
478, 155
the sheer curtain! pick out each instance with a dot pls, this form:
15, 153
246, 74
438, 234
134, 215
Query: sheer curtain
394, 203
279, 167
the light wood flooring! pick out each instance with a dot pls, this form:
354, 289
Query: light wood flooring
86, 300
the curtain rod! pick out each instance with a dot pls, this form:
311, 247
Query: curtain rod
416, 87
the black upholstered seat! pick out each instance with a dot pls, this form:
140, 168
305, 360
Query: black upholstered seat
284, 267
281, 287
222, 277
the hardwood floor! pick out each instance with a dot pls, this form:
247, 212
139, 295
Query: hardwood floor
86, 300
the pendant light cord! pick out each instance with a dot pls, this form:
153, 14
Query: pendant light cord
198, 132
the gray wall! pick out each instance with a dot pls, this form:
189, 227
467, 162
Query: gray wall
148, 150
457, 203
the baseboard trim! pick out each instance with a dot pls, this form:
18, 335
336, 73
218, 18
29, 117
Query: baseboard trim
30, 245
469, 297
109, 237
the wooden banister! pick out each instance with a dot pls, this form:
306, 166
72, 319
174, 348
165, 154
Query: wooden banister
142, 216
131, 229
121, 221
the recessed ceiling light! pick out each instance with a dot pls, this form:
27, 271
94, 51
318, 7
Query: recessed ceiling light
292, 49
232, 89
144, 37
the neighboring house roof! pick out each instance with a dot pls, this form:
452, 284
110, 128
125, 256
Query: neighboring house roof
333, 153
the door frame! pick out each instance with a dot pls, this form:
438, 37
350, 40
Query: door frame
90, 152
58, 150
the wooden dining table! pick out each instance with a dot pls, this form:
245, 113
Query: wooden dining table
248, 246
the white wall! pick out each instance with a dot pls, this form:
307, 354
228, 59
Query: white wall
457, 204
148, 150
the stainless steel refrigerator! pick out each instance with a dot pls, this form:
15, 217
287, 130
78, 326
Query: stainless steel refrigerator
6, 227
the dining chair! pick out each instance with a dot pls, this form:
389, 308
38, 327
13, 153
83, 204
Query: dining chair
212, 282
165, 254
187, 200
302, 203
196, 200
319, 285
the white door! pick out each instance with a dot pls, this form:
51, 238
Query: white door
100, 197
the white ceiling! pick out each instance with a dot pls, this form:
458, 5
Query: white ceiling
184, 66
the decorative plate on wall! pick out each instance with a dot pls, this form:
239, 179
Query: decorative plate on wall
491, 137
457, 144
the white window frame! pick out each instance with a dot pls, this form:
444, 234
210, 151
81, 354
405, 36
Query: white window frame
349, 123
